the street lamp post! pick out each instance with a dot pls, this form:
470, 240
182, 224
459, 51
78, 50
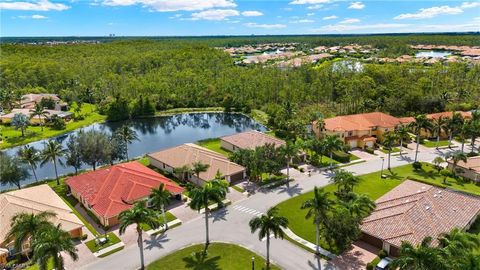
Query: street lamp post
253, 263
381, 171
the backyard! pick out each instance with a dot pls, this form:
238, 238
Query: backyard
372, 186
12, 137
214, 145
219, 256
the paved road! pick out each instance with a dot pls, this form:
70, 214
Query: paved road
231, 225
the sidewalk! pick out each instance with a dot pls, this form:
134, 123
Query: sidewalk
307, 244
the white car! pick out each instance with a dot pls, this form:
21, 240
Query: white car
384, 264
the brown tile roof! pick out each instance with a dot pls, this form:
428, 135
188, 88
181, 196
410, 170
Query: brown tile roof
252, 139
28, 113
364, 121
187, 154
448, 115
473, 163
109, 189
414, 210
35, 200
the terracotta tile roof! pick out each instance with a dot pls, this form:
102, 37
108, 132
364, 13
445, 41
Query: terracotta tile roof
111, 190
35, 200
473, 163
252, 139
187, 154
414, 210
406, 120
448, 115
364, 121
37, 98
27, 112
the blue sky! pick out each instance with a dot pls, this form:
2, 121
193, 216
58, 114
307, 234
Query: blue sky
232, 17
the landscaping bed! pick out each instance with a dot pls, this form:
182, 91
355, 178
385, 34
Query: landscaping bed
219, 256
112, 240
433, 143
170, 217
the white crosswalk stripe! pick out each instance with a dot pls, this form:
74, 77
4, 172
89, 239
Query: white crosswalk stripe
247, 210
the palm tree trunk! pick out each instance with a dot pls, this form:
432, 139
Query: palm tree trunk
34, 174
207, 241
55, 166
268, 250
288, 169
389, 155
317, 237
472, 143
401, 146
40, 121
126, 154
438, 140
331, 159
450, 140
140, 246
416, 150
463, 144
164, 217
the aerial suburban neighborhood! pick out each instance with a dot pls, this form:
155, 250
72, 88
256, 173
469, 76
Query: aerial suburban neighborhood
237, 135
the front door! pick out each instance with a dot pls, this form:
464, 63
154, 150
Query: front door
386, 247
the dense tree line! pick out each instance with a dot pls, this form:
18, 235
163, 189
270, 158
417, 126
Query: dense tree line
149, 75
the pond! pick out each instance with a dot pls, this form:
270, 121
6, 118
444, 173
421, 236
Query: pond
155, 134
432, 54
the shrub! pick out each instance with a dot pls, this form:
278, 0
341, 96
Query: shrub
382, 254
57, 123
369, 150
341, 156
417, 165
370, 266
301, 170
472, 154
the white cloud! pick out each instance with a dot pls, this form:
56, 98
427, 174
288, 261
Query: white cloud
252, 13
266, 26
333, 17
314, 7
356, 5
303, 21
174, 5
38, 17
350, 20
215, 14
426, 13
309, 2
176, 16
310, 14
470, 4
42, 5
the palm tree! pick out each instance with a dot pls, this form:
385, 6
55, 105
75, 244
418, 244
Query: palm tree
25, 226
39, 111
421, 257
463, 133
50, 243
456, 156
127, 135
437, 161
289, 151
267, 224
159, 197
332, 143
345, 181
389, 140
215, 191
473, 132
453, 125
359, 206
138, 215
53, 151
438, 125
31, 156
402, 132
421, 122
199, 167
318, 208
459, 241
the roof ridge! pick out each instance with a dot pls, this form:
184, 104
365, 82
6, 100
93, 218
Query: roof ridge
30, 200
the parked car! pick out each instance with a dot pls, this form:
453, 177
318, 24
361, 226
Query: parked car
384, 264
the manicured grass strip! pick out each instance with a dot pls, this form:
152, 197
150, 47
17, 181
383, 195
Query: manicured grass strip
214, 145
394, 150
170, 217
433, 143
13, 137
112, 240
219, 256
145, 161
61, 190
237, 188
111, 252
169, 228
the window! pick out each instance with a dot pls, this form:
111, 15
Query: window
350, 133
386, 129
374, 128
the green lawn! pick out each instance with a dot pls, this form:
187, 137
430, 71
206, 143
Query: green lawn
214, 145
219, 256
145, 161
13, 137
394, 150
373, 187
112, 240
170, 217
433, 143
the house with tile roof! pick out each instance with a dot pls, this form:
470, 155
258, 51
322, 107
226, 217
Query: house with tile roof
413, 210
109, 191
34, 200
186, 154
7, 118
358, 130
248, 140
469, 169
28, 101
435, 116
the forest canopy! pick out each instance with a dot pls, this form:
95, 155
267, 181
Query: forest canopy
190, 72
